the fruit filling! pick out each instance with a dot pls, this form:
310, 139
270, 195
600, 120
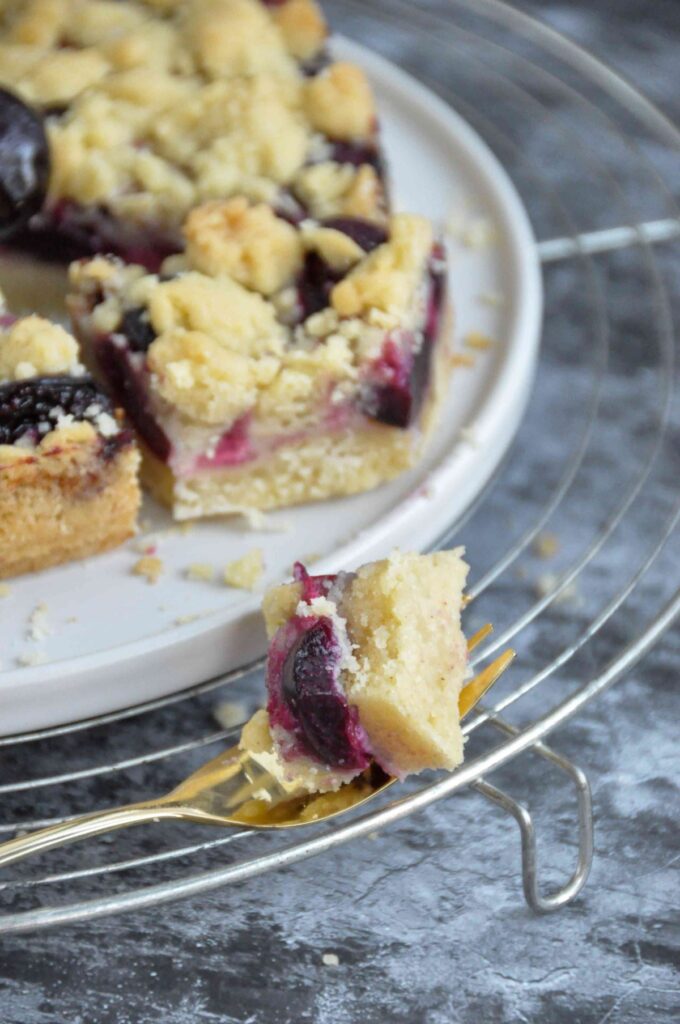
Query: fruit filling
308, 710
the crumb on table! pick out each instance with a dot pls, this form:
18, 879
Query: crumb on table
245, 572
229, 713
150, 567
38, 626
546, 545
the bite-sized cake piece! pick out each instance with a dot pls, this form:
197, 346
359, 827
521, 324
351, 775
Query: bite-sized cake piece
271, 364
142, 110
363, 667
68, 468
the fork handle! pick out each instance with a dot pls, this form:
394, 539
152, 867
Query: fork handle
85, 827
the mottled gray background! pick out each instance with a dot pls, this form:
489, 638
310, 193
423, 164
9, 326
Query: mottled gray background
427, 919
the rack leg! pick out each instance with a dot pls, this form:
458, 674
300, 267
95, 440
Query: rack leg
548, 903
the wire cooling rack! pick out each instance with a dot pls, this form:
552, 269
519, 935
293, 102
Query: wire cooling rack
593, 464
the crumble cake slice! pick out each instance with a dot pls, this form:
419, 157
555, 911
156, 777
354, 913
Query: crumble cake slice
364, 667
68, 468
272, 364
141, 111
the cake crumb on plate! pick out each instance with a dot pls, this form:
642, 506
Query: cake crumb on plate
200, 571
30, 659
330, 960
150, 567
5, 591
245, 572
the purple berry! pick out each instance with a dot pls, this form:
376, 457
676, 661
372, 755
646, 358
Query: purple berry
24, 163
25, 405
137, 329
309, 687
367, 234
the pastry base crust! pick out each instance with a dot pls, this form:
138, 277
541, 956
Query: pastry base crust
64, 505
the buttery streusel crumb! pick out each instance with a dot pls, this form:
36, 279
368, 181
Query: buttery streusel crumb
246, 572
200, 571
477, 340
150, 566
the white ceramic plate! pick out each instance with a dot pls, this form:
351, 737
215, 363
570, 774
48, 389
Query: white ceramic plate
115, 640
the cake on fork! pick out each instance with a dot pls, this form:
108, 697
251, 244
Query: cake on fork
363, 667
272, 364
68, 467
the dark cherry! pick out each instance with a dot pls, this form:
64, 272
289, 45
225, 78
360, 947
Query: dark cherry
367, 234
329, 726
24, 163
315, 284
137, 329
26, 403
358, 153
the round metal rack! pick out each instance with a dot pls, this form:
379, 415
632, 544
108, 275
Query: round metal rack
594, 164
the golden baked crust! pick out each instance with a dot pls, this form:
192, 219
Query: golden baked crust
64, 502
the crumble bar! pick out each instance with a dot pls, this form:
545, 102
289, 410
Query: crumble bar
271, 364
68, 468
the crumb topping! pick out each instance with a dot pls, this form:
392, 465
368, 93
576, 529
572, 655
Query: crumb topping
35, 347
388, 278
339, 102
330, 189
223, 351
168, 104
302, 26
245, 241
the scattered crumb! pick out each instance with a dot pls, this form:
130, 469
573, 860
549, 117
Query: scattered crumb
330, 960
145, 525
230, 713
71, 619
31, 658
491, 299
4, 590
462, 359
182, 620
38, 626
373, 836
186, 527
260, 522
245, 572
468, 435
150, 567
546, 545
479, 233
476, 340
200, 571
547, 582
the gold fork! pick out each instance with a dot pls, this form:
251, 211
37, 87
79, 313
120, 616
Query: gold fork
236, 789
